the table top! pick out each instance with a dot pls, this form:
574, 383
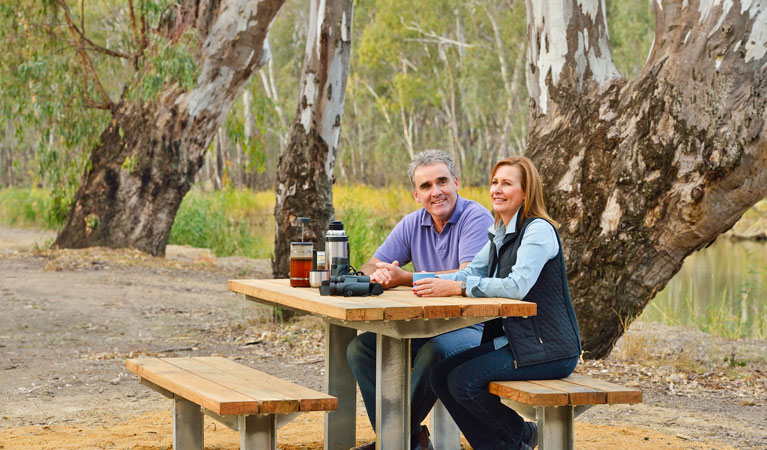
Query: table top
393, 304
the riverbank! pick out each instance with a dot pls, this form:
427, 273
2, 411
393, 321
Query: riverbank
71, 318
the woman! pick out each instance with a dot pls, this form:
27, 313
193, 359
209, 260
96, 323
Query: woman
523, 259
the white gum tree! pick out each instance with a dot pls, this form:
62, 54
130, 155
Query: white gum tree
643, 172
151, 150
305, 174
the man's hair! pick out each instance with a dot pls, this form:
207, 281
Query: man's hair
427, 158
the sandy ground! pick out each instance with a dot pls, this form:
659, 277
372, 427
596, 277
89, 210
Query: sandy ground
71, 317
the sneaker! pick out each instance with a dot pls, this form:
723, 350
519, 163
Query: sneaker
530, 436
369, 446
420, 440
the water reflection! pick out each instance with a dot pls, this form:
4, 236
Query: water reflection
721, 290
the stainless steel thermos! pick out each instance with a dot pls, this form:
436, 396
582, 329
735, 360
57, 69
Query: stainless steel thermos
336, 242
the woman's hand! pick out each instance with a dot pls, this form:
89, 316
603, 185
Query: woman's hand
436, 287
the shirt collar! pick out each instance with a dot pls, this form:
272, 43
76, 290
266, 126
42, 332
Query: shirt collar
460, 205
501, 228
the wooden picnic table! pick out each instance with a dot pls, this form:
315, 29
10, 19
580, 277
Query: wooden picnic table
396, 316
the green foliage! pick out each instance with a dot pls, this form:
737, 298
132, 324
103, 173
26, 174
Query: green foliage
46, 104
26, 208
228, 222
632, 28
167, 63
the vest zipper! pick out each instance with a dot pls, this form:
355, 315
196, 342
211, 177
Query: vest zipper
540, 340
515, 364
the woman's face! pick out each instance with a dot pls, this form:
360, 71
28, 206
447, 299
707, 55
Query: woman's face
506, 192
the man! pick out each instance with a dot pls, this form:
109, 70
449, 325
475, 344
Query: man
441, 237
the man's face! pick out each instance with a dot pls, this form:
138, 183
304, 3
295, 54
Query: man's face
437, 190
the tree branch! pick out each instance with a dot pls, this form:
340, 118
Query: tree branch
134, 28
86, 62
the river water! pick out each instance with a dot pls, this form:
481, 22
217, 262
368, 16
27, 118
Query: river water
721, 289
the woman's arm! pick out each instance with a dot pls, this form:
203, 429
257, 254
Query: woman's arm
539, 244
449, 284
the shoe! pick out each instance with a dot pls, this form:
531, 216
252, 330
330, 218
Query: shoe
369, 446
530, 436
420, 440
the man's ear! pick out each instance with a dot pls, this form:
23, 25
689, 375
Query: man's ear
457, 184
415, 195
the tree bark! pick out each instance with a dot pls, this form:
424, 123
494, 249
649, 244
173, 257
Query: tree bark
305, 173
149, 154
641, 173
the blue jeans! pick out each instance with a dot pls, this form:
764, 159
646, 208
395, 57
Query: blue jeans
461, 382
425, 353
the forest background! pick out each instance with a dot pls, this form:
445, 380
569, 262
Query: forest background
427, 74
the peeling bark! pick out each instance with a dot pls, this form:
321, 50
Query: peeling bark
305, 174
641, 173
150, 152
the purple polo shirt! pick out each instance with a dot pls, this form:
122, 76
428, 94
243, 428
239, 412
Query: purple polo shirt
414, 238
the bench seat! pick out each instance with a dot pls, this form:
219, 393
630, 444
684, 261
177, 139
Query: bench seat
245, 399
555, 403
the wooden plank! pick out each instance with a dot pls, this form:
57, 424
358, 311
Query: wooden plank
306, 299
577, 394
615, 392
479, 307
269, 400
205, 393
431, 307
308, 399
393, 304
513, 307
529, 393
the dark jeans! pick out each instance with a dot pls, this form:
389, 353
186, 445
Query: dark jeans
461, 382
425, 353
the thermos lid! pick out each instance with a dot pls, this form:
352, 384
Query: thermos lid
336, 225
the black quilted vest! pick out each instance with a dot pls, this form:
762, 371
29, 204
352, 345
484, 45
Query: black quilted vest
553, 333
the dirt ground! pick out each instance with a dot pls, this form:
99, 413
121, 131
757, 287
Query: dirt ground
71, 317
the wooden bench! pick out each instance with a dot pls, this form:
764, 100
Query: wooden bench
555, 403
242, 398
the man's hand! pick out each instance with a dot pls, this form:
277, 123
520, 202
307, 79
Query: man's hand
390, 275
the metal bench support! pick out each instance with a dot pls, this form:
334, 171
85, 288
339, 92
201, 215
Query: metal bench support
258, 432
187, 425
555, 423
555, 427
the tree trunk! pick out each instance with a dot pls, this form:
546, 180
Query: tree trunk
149, 154
305, 173
641, 173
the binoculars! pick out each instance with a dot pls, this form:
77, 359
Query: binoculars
350, 286
344, 280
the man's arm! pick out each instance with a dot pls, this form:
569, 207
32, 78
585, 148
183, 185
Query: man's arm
370, 266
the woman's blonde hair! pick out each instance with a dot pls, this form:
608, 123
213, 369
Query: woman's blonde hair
533, 205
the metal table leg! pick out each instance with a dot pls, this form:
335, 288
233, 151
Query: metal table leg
187, 425
340, 425
444, 432
392, 393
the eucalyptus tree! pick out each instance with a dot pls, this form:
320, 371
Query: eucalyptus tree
642, 172
305, 174
180, 65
